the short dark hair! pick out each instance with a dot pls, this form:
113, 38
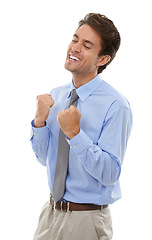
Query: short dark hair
110, 37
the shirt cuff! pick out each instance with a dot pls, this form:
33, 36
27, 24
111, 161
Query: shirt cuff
80, 142
39, 133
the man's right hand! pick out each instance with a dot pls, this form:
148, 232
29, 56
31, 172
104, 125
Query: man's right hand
44, 103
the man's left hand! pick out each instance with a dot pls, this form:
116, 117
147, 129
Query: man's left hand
69, 120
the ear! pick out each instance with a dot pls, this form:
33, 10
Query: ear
104, 59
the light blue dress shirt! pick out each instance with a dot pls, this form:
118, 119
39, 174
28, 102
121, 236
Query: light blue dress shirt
97, 152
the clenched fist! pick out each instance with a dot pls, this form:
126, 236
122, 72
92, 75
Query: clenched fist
44, 103
69, 120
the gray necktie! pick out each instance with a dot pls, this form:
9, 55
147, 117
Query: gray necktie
62, 158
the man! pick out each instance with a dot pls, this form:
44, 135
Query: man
80, 133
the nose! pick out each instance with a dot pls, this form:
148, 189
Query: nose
76, 47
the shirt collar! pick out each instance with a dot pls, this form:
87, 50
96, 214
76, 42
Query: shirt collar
87, 89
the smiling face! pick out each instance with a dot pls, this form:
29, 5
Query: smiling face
82, 56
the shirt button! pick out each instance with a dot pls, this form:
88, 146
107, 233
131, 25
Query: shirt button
34, 133
74, 146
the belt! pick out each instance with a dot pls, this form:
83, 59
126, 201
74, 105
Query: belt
70, 206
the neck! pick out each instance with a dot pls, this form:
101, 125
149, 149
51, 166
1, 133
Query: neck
79, 80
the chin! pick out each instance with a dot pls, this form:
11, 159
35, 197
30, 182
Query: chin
67, 67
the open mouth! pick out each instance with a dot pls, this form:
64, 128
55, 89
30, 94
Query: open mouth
74, 58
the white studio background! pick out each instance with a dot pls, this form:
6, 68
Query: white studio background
34, 36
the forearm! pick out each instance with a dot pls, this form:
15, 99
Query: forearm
101, 165
103, 160
40, 141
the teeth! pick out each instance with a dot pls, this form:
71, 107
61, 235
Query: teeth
74, 58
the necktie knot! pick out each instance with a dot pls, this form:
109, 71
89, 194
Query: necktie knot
74, 95
73, 99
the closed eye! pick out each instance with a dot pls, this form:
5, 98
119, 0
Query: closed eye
86, 47
75, 41
88, 43
75, 38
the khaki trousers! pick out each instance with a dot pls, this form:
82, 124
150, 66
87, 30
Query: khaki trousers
75, 225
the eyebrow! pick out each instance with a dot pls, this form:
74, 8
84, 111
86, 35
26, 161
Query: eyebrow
87, 41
